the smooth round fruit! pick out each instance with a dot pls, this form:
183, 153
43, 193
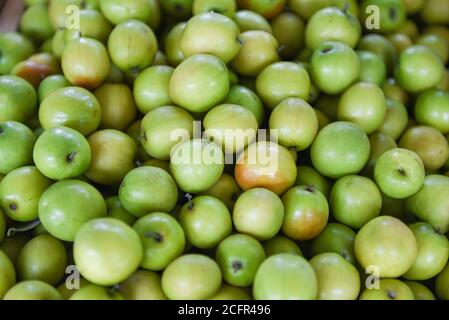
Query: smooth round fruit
365, 105
296, 123
266, 165
336, 238
332, 24
433, 252
43, 258
239, 256
132, 46
72, 107
290, 42
308, 176
389, 289
259, 213
142, 285
199, 83
231, 126
162, 238
224, 7
282, 80
19, 200
32, 290
306, 213
399, 173
16, 146
340, 149
211, 33
355, 200
151, 88
18, 99
281, 244
267, 8
259, 50
230, 293
62, 153
373, 69
429, 143
337, 278
382, 47
430, 203
148, 189
418, 69
173, 45
396, 119
107, 251
206, 222
85, 63
247, 98
191, 277
117, 104
336, 61
388, 244
285, 277
196, 165
15, 48
118, 11
432, 109
7, 274
67, 205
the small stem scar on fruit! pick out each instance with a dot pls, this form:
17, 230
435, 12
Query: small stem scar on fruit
12, 231
189, 198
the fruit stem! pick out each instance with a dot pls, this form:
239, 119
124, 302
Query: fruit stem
12, 231
189, 198
346, 8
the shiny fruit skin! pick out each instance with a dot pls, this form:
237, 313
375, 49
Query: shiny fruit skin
306, 213
72, 107
32, 290
148, 189
43, 258
85, 63
259, 213
191, 277
199, 83
67, 205
239, 256
432, 109
97, 293
20, 201
206, 222
433, 252
13, 108
285, 277
337, 278
442, 284
162, 238
7, 274
389, 289
62, 153
16, 146
340, 149
266, 165
211, 33
388, 244
15, 48
113, 154
196, 165
107, 251
142, 285
355, 200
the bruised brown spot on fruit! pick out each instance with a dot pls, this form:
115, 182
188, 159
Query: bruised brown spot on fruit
392, 295
13, 206
237, 266
70, 157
